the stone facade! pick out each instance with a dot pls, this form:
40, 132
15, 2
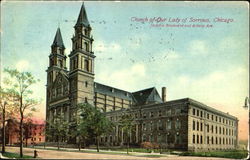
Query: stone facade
183, 124
180, 124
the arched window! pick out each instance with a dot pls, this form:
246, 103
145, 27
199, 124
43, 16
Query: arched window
86, 65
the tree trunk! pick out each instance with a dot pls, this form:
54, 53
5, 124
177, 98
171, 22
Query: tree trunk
58, 143
21, 135
79, 145
3, 134
97, 140
127, 145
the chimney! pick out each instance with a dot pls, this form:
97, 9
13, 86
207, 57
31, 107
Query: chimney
163, 94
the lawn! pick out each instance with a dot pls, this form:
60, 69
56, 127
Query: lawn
14, 155
235, 154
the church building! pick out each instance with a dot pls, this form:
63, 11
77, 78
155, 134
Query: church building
183, 124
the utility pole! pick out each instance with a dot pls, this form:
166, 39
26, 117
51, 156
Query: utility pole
247, 107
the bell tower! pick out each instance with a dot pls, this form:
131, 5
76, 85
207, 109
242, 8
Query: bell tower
57, 58
81, 73
57, 63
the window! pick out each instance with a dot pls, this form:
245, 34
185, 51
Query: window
151, 114
86, 46
169, 124
197, 140
86, 100
193, 125
159, 113
159, 138
151, 125
223, 130
216, 118
216, 129
201, 126
144, 138
207, 139
212, 129
207, 115
144, 127
212, 140
212, 117
220, 130
216, 140
223, 120
177, 138
201, 114
40, 139
86, 65
208, 128
193, 111
194, 139
177, 111
220, 119
85, 32
178, 124
198, 113
86, 84
160, 127
197, 126
169, 112
60, 63
201, 140
220, 140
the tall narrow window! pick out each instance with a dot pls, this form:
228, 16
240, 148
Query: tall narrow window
86, 65
194, 139
193, 125
86, 46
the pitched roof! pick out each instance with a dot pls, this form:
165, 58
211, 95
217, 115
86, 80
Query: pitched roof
111, 91
146, 96
58, 42
82, 18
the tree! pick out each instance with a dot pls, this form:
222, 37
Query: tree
126, 121
8, 112
91, 122
81, 123
20, 83
28, 125
100, 125
58, 129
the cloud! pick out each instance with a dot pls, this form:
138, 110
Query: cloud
126, 78
22, 65
198, 47
225, 89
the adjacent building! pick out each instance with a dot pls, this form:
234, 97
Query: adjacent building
180, 124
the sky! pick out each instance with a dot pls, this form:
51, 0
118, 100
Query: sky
135, 49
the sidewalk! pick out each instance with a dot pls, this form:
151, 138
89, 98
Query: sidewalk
109, 151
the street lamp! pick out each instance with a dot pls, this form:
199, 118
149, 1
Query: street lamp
246, 105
